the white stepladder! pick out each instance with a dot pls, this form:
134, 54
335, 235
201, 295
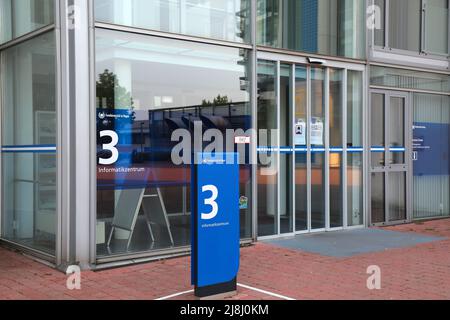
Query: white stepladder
127, 211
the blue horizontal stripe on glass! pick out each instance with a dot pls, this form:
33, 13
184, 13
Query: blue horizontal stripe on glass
267, 149
301, 150
397, 149
29, 151
305, 149
42, 148
355, 150
31, 146
382, 149
378, 149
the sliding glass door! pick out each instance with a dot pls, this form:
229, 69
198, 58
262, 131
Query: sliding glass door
310, 146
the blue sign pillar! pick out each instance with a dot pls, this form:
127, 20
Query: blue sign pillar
215, 223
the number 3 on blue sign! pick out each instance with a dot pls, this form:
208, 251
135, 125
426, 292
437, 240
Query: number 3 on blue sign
110, 147
211, 202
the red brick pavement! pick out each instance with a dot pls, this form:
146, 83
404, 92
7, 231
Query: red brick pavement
419, 272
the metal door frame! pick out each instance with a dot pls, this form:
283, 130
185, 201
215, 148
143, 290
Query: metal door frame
279, 58
391, 168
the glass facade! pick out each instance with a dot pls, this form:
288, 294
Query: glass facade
300, 143
147, 88
404, 24
267, 175
335, 28
409, 79
336, 112
29, 138
218, 19
419, 26
163, 67
317, 136
19, 17
436, 36
309, 167
355, 189
431, 172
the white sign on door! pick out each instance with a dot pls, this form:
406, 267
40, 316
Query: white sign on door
317, 132
300, 133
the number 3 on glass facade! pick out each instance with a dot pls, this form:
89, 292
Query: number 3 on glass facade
211, 202
110, 147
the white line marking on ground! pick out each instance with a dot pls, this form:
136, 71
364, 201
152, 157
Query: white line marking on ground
266, 292
239, 284
175, 295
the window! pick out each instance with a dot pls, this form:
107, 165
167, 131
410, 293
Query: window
436, 19
431, 133
334, 28
404, 24
409, 79
219, 19
147, 88
29, 143
19, 17
414, 25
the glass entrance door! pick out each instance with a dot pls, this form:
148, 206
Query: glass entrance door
275, 141
390, 157
310, 152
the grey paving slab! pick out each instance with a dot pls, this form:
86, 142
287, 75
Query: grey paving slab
353, 242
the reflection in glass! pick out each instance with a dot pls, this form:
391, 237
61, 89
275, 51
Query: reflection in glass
336, 191
29, 119
404, 24
21, 17
218, 19
300, 137
355, 216
301, 189
397, 129
355, 189
409, 79
336, 140
148, 87
317, 132
379, 33
378, 200
436, 26
354, 108
335, 28
336, 108
397, 196
317, 107
286, 170
431, 181
267, 168
317, 190
377, 129
29, 209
